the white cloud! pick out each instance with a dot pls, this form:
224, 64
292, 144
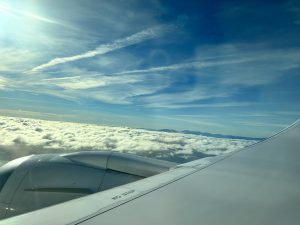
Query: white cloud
47, 136
81, 84
3, 82
120, 89
123, 91
78, 82
16, 59
136, 38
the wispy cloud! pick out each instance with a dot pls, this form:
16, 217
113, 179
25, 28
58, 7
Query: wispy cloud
124, 90
78, 82
106, 88
232, 67
136, 38
153, 87
26, 113
252, 123
3, 82
193, 120
186, 98
199, 105
16, 59
188, 65
61, 78
17, 12
260, 64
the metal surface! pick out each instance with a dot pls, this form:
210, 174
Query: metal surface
39, 181
257, 185
97, 160
136, 165
122, 162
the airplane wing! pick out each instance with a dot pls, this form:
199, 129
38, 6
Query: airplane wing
258, 185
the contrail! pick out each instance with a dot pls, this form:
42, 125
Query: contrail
187, 65
105, 48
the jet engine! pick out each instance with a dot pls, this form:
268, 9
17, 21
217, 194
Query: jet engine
37, 181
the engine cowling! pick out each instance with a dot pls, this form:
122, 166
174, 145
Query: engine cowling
37, 181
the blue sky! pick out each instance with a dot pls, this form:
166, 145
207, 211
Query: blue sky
228, 67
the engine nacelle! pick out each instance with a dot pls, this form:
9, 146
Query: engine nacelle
34, 182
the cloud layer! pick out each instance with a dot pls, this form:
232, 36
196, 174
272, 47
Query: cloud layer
22, 136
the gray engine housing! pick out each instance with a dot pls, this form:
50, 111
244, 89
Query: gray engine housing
33, 182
